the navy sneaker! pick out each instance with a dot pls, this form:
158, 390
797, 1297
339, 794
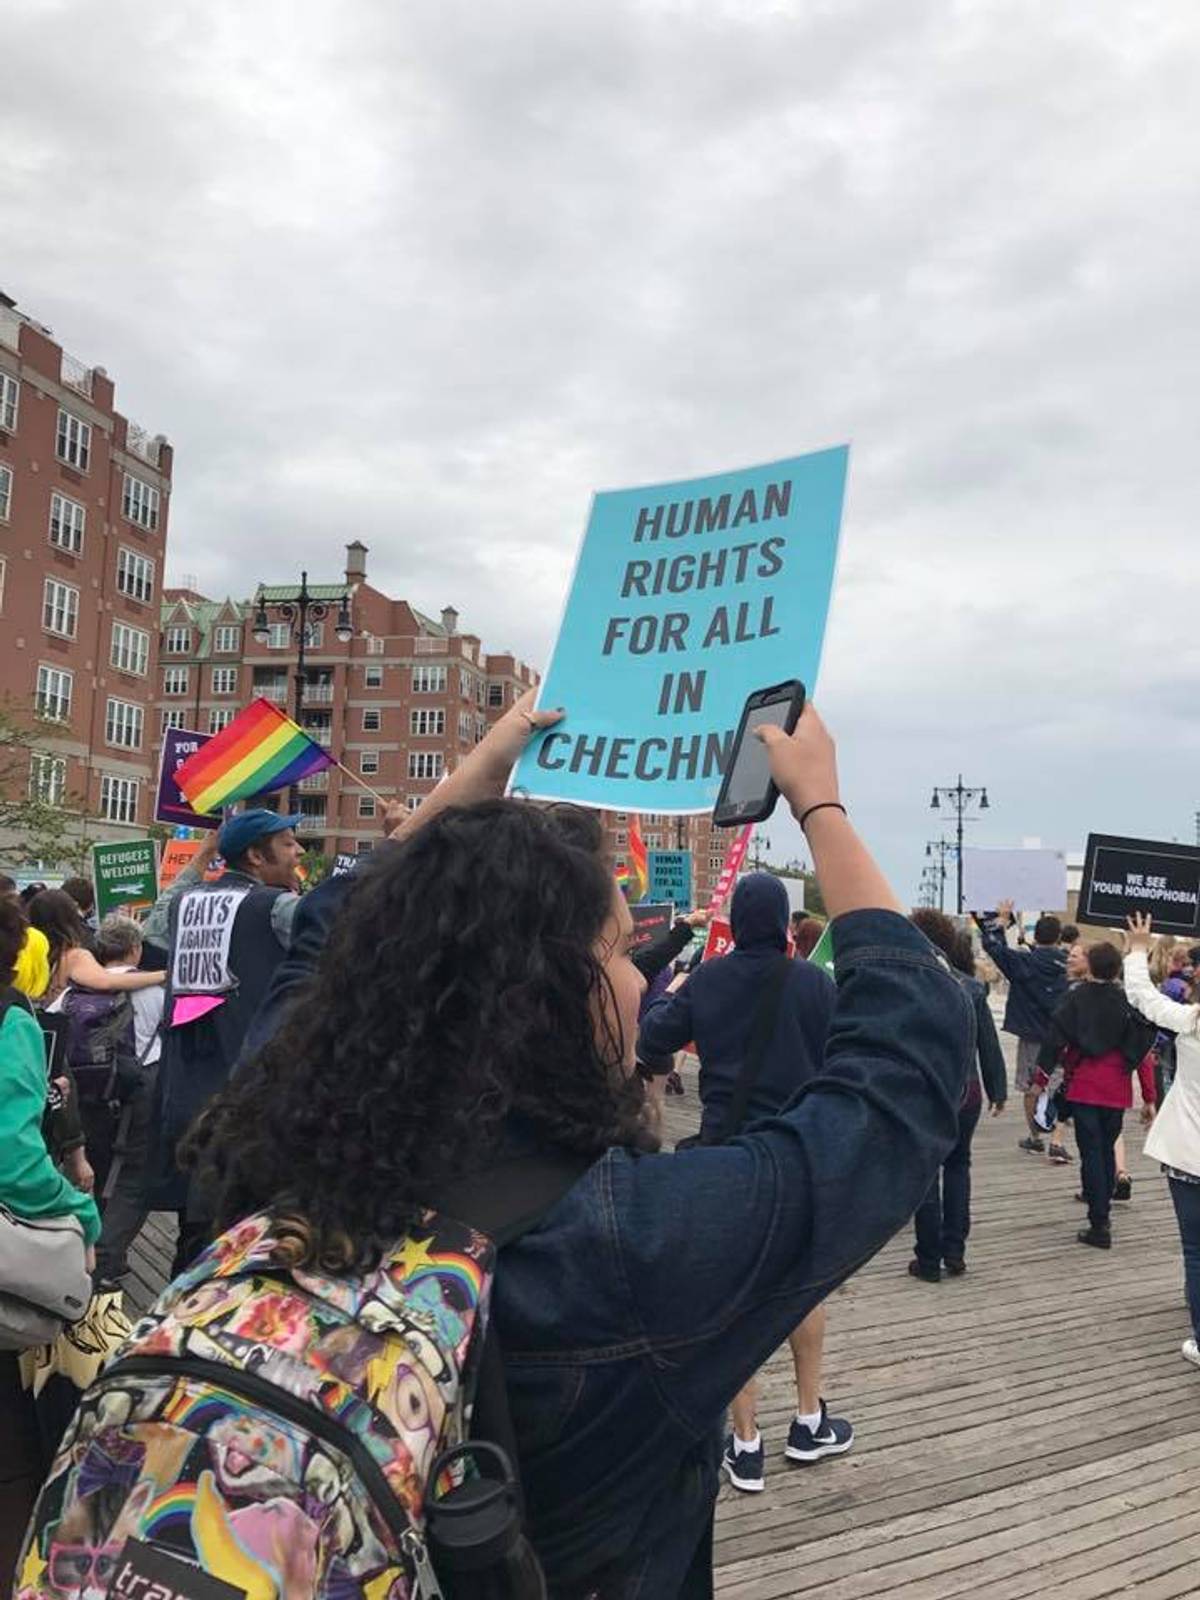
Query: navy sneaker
833, 1438
743, 1468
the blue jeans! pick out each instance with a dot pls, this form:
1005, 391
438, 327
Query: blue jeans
1186, 1200
943, 1219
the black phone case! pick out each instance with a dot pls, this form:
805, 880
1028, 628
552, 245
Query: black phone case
739, 819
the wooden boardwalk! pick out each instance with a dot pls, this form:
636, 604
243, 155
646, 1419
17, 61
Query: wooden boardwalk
1027, 1430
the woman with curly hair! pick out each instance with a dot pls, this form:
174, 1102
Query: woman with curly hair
476, 1000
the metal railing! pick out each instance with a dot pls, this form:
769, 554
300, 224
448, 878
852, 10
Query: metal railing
10, 327
139, 443
318, 694
277, 693
318, 781
75, 375
315, 822
428, 644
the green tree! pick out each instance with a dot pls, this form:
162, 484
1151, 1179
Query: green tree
35, 827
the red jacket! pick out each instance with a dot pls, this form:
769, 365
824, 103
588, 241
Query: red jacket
1107, 1080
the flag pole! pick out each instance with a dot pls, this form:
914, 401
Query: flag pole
354, 777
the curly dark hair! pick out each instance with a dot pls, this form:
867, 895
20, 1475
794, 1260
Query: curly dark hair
459, 987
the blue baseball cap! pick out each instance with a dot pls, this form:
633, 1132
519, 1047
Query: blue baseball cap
248, 827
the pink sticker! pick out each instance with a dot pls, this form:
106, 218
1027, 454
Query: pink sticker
190, 1007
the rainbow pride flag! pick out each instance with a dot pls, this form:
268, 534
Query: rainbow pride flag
260, 750
639, 859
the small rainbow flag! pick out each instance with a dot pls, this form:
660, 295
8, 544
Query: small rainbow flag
639, 858
260, 750
621, 874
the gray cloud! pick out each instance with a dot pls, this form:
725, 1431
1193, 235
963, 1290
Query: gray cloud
428, 274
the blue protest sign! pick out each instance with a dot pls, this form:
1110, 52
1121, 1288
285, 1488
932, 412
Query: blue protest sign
686, 597
671, 877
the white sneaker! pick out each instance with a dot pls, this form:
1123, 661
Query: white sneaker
1190, 1351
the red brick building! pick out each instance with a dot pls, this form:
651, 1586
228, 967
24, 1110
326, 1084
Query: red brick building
399, 703
84, 498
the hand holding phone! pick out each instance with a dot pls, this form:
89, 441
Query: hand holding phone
748, 791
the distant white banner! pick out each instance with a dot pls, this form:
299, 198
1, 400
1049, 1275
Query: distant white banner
1034, 880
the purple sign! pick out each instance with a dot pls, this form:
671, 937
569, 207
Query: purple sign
171, 806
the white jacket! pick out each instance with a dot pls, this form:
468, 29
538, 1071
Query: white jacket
1175, 1137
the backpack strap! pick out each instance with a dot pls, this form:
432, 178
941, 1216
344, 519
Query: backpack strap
506, 1202
762, 1031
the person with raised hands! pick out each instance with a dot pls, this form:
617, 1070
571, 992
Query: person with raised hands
498, 1025
1174, 1140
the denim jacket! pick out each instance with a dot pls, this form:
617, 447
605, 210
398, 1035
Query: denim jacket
660, 1283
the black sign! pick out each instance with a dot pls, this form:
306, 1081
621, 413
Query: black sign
651, 919
1121, 876
144, 1572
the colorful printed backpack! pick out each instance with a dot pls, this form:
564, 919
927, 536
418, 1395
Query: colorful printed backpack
273, 1434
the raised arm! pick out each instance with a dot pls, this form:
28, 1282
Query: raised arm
156, 929
1140, 990
484, 773
753, 1234
83, 969
1010, 961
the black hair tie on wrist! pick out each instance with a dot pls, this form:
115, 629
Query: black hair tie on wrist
823, 805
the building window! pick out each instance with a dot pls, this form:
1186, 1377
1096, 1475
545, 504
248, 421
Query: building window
227, 639
66, 523
172, 719
135, 578
464, 684
372, 720
716, 864
10, 393
178, 641
123, 724
139, 502
425, 763
466, 726
622, 816
224, 680
220, 719
60, 608
412, 802
622, 839
374, 646
481, 728
175, 680
279, 636
373, 676
368, 762
495, 695
53, 698
6, 483
130, 649
654, 841
74, 441
366, 805
48, 779
429, 680
118, 798
426, 721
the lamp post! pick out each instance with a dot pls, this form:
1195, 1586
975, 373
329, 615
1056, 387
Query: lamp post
960, 797
300, 611
936, 850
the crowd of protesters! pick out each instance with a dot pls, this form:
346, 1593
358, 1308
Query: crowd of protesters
466, 1016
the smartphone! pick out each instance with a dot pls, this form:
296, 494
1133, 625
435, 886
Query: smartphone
747, 793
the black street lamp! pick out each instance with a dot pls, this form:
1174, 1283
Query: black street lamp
939, 849
960, 797
300, 611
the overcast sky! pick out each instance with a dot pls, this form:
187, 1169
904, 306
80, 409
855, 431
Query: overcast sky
426, 274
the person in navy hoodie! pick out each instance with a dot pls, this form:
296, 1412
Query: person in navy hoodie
717, 1006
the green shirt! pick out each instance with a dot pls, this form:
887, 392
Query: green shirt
30, 1184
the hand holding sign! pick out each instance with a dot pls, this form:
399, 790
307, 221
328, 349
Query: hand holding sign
1140, 936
